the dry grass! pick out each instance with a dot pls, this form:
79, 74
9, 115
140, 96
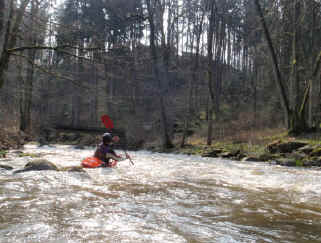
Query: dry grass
251, 140
238, 134
231, 134
257, 136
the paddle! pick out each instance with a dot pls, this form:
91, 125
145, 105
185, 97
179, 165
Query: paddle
110, 125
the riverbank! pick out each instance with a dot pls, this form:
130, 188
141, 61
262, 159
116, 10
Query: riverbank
273, 146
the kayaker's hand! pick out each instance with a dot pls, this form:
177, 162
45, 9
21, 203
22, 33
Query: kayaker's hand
116, 139
113, 156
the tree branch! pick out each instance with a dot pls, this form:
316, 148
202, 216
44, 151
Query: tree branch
55, 48
45, 70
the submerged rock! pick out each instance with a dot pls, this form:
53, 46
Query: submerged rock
77, 171
213, 154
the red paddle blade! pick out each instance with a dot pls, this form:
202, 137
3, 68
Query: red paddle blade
107, 122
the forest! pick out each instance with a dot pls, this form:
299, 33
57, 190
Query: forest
164, 70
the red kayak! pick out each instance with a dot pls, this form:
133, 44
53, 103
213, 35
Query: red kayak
93, 162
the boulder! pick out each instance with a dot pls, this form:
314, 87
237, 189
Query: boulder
87, 140
239, 156
316, 152
296, 155
286, 162
213, 154
314, 161
68, 137
265, 157
38, 164
284, 147
48, 134
317, 162
251, 159
226, 155
234, 155
6, 167
307, 163
306, 149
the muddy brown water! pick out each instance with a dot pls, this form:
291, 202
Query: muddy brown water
163, 198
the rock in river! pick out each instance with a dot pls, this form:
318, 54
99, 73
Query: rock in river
39, 164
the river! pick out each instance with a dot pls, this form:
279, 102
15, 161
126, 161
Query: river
162, 198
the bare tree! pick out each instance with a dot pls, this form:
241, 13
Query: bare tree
197, 22
151, 10
294, 103
210, 33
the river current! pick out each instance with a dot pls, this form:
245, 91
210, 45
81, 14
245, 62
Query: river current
162, 198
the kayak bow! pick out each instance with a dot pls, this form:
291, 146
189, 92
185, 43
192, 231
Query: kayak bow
93, 162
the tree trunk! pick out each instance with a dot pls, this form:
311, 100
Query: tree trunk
194, 79
296, 119
10, 36
315, 91
27, 90
166, 141
3, 17
26, 102
277, 73
210, 124
294, 96
210, 71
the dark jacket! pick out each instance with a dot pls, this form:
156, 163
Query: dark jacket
101, 152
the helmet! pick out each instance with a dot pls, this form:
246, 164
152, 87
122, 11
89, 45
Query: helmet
107, 137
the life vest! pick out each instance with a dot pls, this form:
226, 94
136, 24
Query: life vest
93, 162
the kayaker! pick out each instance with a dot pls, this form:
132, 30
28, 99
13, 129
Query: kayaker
105, 151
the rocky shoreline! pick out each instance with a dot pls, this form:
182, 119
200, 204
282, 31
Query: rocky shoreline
285, 152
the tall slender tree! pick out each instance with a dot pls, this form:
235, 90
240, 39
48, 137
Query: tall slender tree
151, 11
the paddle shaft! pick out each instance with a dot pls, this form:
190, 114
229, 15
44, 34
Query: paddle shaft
128, 157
